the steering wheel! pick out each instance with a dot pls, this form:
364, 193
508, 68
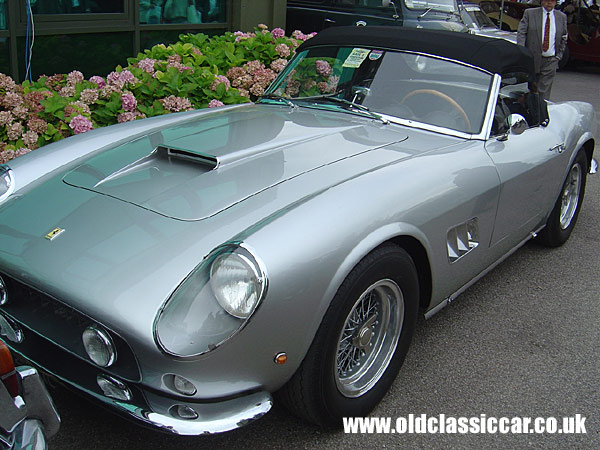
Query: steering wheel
444, 97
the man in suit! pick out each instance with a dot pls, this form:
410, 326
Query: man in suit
543, 30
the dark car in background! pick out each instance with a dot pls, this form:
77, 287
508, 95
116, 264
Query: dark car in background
27, 414
584, 33
315, 15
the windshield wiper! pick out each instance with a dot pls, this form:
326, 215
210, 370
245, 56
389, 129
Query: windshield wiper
278, 98
352, 105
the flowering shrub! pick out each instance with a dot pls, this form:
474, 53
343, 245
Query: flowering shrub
196, 72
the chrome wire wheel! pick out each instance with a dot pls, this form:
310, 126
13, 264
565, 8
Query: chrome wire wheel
570, 196
369, 338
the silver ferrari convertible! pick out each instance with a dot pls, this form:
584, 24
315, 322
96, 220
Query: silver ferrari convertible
184, 270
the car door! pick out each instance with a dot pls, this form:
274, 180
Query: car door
530, 166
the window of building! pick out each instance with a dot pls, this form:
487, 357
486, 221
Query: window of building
3, 15
76, 6
182, 11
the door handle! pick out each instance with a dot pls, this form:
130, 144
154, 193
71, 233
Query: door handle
329, 20
558, 148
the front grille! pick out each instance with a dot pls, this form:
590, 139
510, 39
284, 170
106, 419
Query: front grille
59, 325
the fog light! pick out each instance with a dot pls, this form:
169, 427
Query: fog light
183, 386
184, 412
113, 388
99, 346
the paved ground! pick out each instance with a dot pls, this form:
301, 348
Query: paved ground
522, 342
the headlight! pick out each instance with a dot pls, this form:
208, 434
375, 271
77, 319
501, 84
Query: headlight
99, 346
213, 303
7, 182
236, 283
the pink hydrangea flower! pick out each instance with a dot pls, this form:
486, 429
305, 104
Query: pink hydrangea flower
279, 64
89, 96
22, 151
74, 77
14, 131
20, 112
128, 101
126, 117
30, 139
80, 124
235, 72
38, 125
98, 80
323, 68
252, 66
283, 50
11, 100
214, 103
6, 117
6, 82
67, 91
278, 33
245, 81
257, 89
262, 26
220, 79
147, 65
176, 104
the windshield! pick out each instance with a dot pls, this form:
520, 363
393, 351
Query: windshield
478, 17
401, 86
439, 5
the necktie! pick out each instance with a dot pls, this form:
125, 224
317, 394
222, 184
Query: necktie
546, 43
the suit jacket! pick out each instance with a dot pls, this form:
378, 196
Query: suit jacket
529, 33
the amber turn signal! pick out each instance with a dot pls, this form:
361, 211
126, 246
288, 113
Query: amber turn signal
280, 358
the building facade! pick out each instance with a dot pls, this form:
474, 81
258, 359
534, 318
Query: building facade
94, 36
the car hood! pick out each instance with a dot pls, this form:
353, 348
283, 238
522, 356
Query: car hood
130, 221
199, 168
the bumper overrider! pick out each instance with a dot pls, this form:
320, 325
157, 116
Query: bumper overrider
29, 419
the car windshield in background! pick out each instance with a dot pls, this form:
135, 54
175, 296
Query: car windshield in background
480, 18
400, 86
438, 5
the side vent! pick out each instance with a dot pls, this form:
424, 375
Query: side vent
462, 239
210, 161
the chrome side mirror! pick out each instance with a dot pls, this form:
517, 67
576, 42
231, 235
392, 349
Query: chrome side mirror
517, 123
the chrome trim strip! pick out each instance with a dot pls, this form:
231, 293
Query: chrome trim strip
491, 107
433, 128
437, 308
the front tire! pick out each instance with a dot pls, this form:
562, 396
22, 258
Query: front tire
563, 217
361, 343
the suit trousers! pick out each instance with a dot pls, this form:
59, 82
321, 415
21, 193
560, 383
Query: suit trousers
546, 76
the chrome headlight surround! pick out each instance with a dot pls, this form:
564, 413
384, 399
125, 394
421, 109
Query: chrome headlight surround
7, 182
213, 303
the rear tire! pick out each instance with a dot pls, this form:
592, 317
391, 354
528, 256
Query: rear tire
361, 343
563, 217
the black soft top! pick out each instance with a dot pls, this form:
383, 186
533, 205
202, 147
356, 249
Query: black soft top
492, 54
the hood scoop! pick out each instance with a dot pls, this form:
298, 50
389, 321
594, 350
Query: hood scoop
209, 161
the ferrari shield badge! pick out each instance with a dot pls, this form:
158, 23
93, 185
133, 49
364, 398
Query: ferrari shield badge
54, 233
